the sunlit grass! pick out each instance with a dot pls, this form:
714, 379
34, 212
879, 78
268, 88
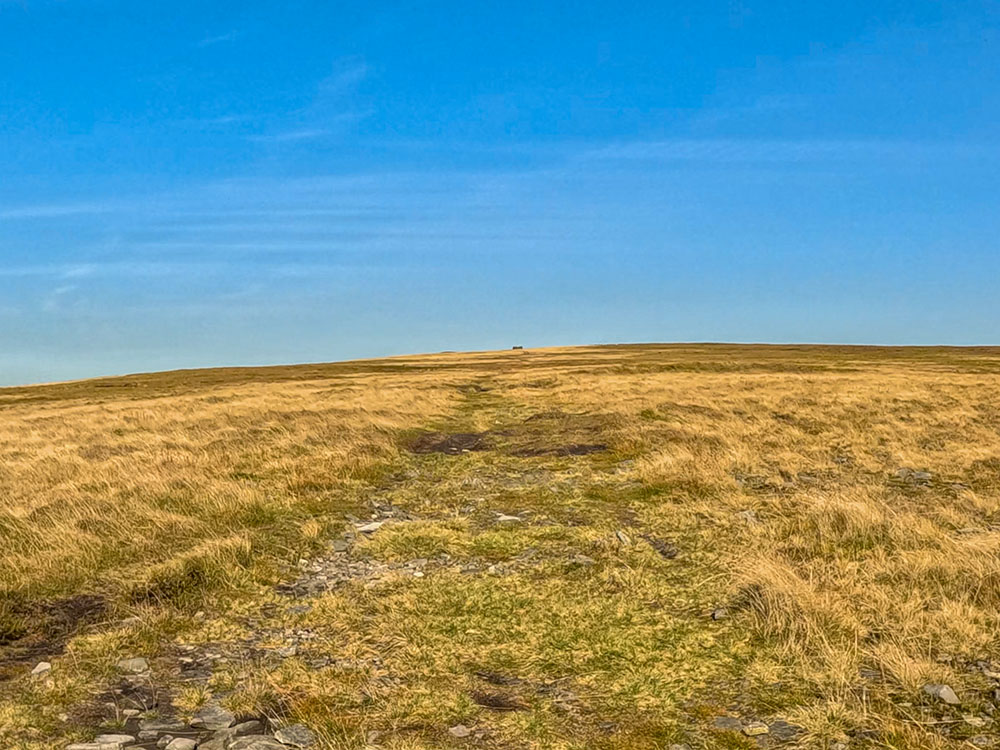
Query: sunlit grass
770, 473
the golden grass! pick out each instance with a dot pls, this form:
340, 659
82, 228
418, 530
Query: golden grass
773, 470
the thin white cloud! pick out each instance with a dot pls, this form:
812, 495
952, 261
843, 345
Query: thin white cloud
51, 211
306, 134
347, 75
331, 125
729, 150
67, 271
219, 39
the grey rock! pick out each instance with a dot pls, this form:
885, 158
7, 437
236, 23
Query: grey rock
113, 739
666, 549
782, 731
213, 716
914, 477
257, 742
623, 538
145, 735
135, 665
340, 545
755, 729
41, 668
982, 740
720, 613
371, 527
288, 651
165, 740
748, 517
728, 723
219, 741
943, 693
162, 725
504, 518
296, 735
460, 731
247, 727
182, 743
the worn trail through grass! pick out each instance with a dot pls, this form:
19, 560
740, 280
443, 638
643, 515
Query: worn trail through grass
512, 582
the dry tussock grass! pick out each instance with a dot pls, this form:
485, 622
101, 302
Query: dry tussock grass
847, 567
773, 469
144, 494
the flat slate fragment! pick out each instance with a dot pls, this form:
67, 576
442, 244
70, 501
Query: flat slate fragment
213, 716
257, 742
296, 735
728, 723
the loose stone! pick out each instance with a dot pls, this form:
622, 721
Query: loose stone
213, 716
782, 731
942, 692
136, 665
247, 727
257, 742
296, 735
41, 668
162, 725
728, 723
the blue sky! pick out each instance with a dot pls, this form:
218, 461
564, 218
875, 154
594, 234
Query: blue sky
192, 184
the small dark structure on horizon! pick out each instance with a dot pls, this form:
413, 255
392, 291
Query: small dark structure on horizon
517, 347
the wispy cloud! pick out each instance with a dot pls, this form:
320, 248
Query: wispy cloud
346, 76
307, 134
333, 107
54, 299
729, 150
334, 126
223, 120
51, 211
219, 39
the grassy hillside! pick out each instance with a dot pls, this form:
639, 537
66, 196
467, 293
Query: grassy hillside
606, 547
